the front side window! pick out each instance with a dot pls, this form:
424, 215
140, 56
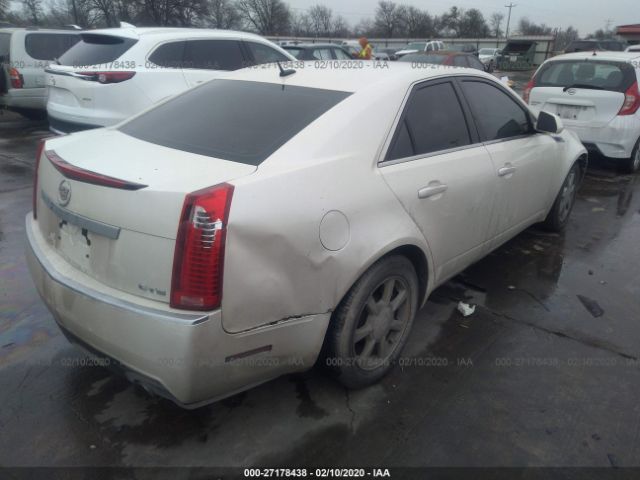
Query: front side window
433, 121
497, 115
49, 46
265, 54
213, 55
233, 120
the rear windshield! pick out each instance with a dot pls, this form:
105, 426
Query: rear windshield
49, 46
602, 75
96, 50
437, 59
5, 42
240, 121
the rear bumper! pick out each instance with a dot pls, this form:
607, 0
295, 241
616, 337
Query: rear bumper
185, 357
616, 140
62, 127
25, 98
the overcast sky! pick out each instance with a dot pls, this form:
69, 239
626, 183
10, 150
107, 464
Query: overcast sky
585, 15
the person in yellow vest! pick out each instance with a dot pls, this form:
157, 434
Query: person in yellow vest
367, 49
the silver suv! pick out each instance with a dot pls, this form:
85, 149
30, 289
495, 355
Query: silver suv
24, 54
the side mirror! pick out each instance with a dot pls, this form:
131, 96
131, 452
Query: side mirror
549, 123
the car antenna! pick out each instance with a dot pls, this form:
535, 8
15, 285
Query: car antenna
285, 73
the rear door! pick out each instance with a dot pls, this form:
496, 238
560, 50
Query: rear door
524, 161
442, 175
208, 59
584, 92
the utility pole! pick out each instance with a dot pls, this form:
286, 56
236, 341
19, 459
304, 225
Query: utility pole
510, 6
75, 12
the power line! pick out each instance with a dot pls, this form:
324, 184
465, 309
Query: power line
510, 6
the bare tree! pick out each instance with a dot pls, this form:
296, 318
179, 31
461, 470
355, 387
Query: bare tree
527, 27
223, 14
321, 20
565, 37
473, 25
496, 24
33, 10
267, 17
4, 8
300, 24
340, 27
387, 19
414, 23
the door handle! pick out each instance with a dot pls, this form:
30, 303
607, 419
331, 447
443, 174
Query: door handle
432, 190
506, 170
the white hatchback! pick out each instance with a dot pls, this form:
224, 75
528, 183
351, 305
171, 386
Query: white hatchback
223, 237
115, 73
596, 94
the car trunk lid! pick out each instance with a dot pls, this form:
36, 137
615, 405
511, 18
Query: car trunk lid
121, 236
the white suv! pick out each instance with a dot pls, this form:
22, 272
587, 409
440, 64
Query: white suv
596, 95
419, 47
24, 54
112, 74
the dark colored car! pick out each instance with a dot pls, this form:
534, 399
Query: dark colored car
591, 45
466, 48
443, 57
318, 51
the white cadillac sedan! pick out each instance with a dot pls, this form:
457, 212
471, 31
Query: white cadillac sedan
222, 238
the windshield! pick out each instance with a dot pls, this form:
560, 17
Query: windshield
240, 121
612, 76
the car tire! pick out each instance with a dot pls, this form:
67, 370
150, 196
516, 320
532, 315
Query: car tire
371, 325
632, 164
558, 217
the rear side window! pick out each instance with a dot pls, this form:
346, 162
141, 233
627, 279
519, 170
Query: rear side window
213, 55
49, 46
322, 54
5, 46
341, 54
168, 55
239, 121
96, 49
296, 52
600, 75
433, 121
497, 115
265, 54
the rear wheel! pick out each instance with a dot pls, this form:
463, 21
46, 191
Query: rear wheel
632, 164
558, 217
371, 325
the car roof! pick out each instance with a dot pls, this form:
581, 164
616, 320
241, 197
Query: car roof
345, 78
40, 30
600, 55
171, 33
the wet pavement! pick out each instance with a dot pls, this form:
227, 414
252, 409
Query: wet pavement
545, 373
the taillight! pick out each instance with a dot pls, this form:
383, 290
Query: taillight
198, 262
15, 78
107, 77
526, 93
35, 178
631, 100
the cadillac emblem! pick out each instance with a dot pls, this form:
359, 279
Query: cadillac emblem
64, 193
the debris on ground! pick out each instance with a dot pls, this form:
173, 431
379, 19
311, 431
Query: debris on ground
592, 306
465, 309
